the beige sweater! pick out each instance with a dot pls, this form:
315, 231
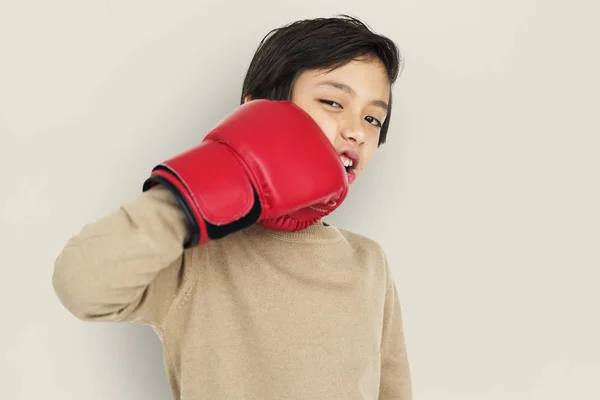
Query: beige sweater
257, 315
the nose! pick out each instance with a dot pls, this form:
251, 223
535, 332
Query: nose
353, 132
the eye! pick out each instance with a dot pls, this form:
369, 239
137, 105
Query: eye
373, 121
331, 103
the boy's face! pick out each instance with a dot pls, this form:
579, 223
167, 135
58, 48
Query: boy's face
350, 105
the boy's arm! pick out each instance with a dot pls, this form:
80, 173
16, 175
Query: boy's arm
395, 372
127, 265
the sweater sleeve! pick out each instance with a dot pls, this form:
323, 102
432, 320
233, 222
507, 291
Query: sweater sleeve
395, 371
126, 266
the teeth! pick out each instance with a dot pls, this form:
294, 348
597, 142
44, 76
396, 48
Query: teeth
346, 161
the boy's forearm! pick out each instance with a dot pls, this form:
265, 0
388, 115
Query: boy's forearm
103, 271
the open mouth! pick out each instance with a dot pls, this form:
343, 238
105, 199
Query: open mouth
347, 162
350, 162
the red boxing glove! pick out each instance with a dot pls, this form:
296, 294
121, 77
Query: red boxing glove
268, 162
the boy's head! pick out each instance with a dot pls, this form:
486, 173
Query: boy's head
337, 70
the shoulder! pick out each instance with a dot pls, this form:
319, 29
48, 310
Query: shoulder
361, 241
372, 248
366, 247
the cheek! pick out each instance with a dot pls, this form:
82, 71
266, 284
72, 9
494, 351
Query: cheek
367, 154
327, 124
325, 121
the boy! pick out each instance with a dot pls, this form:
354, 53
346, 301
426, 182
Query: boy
225, 254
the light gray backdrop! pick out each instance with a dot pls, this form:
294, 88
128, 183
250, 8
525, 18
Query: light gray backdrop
486, 197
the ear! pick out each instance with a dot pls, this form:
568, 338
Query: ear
247, 98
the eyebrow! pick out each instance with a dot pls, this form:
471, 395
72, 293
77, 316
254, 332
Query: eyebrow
351, 92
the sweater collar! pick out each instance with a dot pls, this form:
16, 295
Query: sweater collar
319, 232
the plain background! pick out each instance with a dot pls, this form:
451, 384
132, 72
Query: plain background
486, 196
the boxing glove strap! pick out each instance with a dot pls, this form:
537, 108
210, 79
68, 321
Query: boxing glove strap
193, 232
200, 230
